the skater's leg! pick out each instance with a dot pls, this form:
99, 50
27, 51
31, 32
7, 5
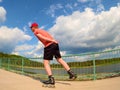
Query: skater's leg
66, 66
47, 67
63, 63
50, 82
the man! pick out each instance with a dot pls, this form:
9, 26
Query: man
51, 49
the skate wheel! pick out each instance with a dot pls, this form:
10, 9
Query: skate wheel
51, 86
48, 85
44, 85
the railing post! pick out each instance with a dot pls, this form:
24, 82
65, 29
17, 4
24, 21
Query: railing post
94, 68
0, 62
8, 64
22, 66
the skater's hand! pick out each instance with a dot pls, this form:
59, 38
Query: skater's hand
54, 41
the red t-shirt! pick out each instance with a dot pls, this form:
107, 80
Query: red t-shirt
45, 34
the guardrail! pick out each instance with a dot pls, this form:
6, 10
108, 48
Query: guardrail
88, 66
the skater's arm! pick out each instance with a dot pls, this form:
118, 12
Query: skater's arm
46, 39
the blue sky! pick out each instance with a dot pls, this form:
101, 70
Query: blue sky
79, 25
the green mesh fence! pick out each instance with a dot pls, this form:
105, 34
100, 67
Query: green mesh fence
87, 66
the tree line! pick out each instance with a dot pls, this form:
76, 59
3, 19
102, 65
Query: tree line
20, 60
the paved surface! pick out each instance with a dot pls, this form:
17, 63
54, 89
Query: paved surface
13, 81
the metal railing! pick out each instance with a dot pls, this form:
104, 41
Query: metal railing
87, 66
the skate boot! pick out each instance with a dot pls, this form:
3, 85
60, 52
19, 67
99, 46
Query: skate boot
72, 76
49, 83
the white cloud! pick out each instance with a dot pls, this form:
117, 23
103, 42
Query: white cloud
75, 4
118, 4
2, 14
107, 49
87, 30
53, 9
69, 6
29, 23
24, 47
100, 8
1, 0
83, 1
34, 51
25, 29
42, 27
10, 37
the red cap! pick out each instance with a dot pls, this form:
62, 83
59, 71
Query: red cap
33, 25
